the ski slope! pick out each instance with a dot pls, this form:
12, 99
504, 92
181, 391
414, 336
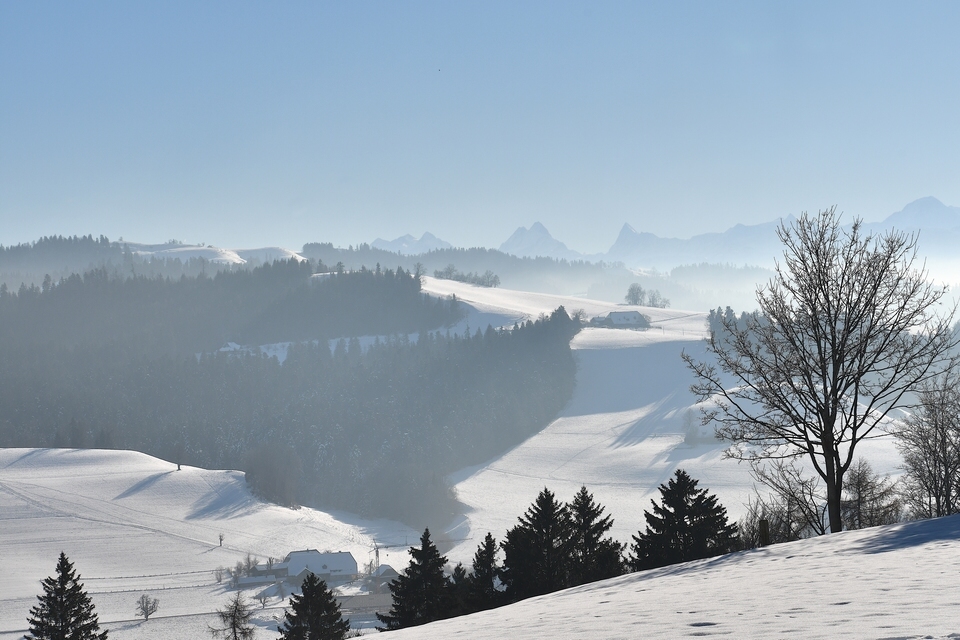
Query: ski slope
895, 582
631, 423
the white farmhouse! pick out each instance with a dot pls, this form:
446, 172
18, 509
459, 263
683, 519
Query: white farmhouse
625, 319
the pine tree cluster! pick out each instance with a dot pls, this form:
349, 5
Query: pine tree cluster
558, 545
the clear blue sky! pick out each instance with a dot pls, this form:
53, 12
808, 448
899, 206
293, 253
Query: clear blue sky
248, 124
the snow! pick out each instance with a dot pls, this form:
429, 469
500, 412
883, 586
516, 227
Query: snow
185, 252
133, 524
900, 581
631, 423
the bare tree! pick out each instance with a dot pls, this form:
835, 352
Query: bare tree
847, 328
655, 299
234, 620
218, 574
929, 441
798, 503
147, 606
250, 565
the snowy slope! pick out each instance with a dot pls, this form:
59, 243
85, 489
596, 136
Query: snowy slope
900, 581
184, 252
630, 424
132, 524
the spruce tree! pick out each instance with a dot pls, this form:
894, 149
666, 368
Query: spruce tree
64, 611
592, 556
483, 590
315, 614
536, 551
689, 525
419, 593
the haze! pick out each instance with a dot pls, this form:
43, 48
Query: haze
252, 124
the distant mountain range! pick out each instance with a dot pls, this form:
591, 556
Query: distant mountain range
409, 246
741, 244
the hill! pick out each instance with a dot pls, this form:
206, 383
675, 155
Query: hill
898, 581
630, 423
133, 524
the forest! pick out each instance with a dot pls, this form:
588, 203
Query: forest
101, 361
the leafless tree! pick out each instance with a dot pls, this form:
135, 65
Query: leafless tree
250, 565
847, 329
147, 606
797, 504
218, 574
929, 441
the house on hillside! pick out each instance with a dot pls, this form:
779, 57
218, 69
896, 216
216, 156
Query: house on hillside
334, 568
380, 579
622, 320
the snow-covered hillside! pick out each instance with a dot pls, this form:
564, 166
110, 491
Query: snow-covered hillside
133, 524
900, 581
184, 252
630, 424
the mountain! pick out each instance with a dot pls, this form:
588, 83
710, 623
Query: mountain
741, 245
410, 246
925, 213
938, 224
537, 242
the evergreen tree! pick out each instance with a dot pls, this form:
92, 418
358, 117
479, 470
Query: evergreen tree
689, 525
484, 593
64, 611
235, 620
419, 593
315, 614
536, 551
457, 601
592, 557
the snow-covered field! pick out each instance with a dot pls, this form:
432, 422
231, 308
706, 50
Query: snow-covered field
894, 582
133, 524
630, 424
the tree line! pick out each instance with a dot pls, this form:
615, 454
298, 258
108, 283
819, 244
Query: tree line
370, 429
557, 545
283, 301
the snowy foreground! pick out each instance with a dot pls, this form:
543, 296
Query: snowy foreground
133, 524
900, 581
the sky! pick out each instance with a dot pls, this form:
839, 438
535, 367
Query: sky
247, 124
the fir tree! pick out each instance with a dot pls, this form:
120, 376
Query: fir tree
315, 614
484, 593
689, 525
592, 557
536, 551
419, 593
64, 611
